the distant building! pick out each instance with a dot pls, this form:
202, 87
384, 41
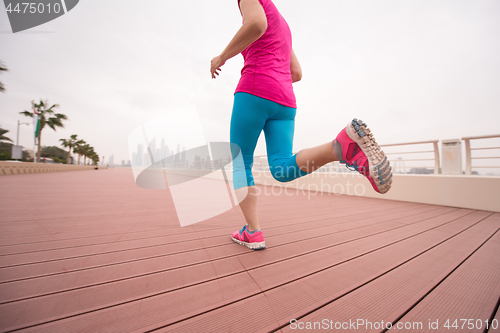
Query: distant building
139, 156
421, 171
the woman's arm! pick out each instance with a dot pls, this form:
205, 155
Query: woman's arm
295, 68
254, 26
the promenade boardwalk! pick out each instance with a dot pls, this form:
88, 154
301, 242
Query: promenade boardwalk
89, 251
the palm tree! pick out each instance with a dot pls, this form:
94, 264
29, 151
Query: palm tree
46, 116
78, 149
89, 151
3, 68
2, 136
94, 157
69, 143
84, 150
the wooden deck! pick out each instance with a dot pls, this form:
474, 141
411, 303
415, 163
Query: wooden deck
89, 251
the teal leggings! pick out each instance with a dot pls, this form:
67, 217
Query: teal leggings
251, 115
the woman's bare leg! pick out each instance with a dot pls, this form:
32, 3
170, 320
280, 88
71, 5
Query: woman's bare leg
249, 206
311, 159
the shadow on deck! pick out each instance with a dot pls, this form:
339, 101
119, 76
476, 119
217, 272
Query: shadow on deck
90, 251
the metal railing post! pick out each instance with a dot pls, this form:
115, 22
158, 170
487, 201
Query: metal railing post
436, 157
468, 165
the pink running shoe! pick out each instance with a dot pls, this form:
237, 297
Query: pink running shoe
252, 239
361, 152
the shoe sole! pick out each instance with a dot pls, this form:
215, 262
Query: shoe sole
379, 166
252, 246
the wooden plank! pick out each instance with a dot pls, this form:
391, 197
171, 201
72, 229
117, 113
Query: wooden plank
294, 299
29, 288
104, 258
127, 279
389, 296
123, 318
99, 229
30, 255
470, 292
87, 301
273, 275
223, 220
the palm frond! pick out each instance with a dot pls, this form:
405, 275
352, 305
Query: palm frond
54, 123
2, 136
3, 68
27, 114
61, 116
53, 106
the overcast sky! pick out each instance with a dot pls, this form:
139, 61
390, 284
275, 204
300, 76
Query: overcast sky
413, 70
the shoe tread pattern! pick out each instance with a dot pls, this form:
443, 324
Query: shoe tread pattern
380, 167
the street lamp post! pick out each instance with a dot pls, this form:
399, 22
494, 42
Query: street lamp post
18, 124
16, 150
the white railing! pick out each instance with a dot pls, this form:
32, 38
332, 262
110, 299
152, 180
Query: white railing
435, 150
260, 161
468, 153
430, 147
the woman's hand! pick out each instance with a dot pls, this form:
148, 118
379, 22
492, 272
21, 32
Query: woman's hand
215, 66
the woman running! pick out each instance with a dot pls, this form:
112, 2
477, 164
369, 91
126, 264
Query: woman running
264, 100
